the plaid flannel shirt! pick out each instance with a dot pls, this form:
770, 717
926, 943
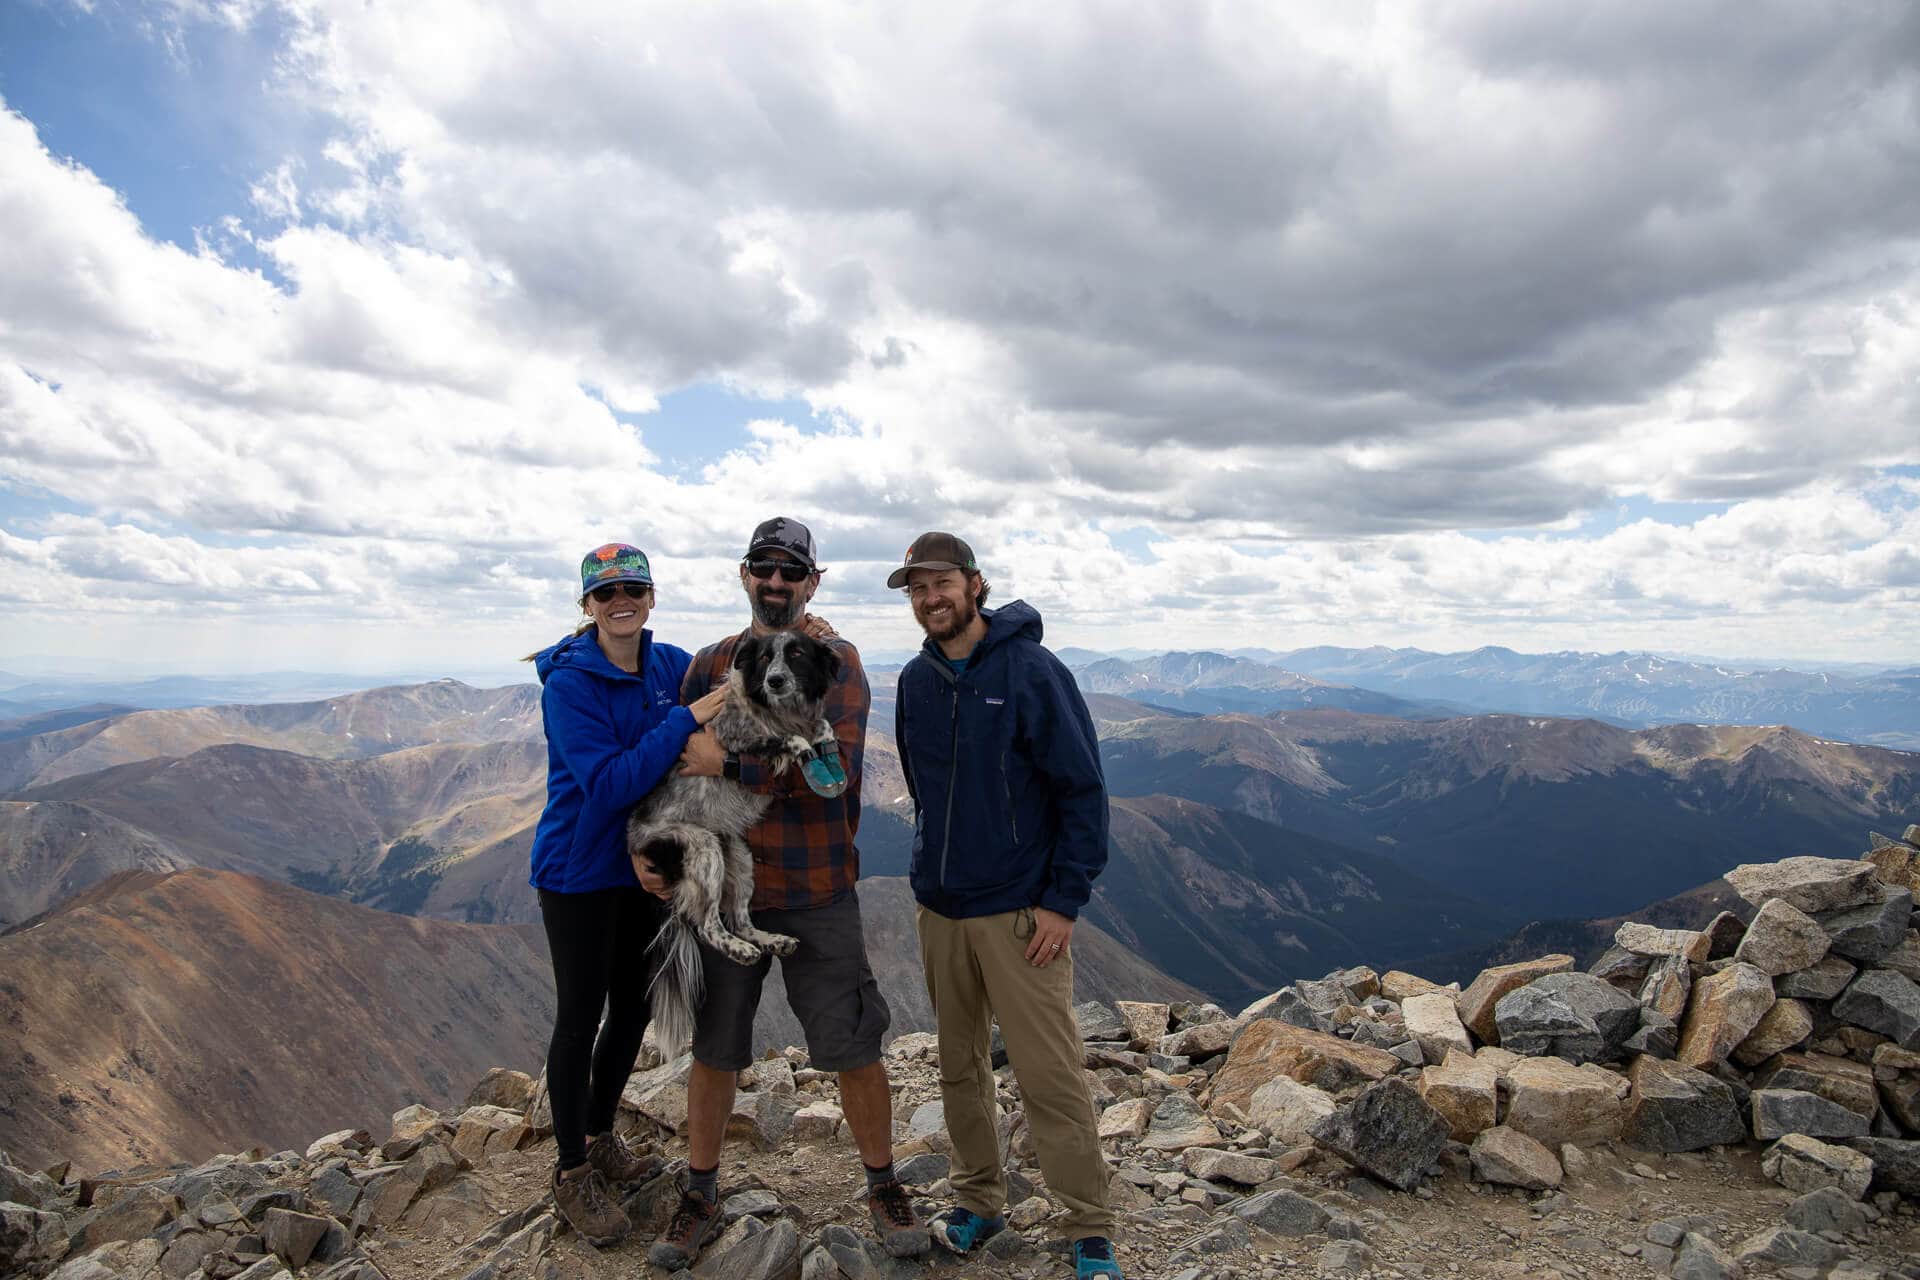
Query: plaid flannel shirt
803, 850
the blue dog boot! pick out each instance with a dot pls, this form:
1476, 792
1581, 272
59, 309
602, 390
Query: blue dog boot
960, 1230
824, 775
1092, 1257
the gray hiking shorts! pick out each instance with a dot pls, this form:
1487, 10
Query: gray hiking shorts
829, 984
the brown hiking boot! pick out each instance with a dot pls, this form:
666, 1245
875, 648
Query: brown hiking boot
895, 1222
619, 1163
584, 1201
693, 1222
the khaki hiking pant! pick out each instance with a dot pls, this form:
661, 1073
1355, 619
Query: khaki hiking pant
977, 971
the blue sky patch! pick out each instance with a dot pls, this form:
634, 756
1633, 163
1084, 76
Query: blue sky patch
180, 128
696, 425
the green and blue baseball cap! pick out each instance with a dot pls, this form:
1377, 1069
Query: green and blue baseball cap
615, 562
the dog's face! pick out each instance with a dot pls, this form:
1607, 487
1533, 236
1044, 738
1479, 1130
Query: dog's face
787, 671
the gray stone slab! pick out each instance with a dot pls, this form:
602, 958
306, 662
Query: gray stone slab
1883, 1001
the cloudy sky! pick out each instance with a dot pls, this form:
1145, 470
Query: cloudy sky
333, 333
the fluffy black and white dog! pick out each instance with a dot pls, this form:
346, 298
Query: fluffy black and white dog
693, 829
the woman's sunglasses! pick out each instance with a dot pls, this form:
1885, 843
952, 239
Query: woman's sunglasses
787, 569
632, 590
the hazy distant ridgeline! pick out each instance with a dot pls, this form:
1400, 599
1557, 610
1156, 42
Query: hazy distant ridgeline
350, 726
22, 695
1210, 683
1880, 707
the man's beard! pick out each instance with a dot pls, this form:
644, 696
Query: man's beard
778, 615
957, 619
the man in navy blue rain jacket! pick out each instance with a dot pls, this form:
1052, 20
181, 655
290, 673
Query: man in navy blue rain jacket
1010, 828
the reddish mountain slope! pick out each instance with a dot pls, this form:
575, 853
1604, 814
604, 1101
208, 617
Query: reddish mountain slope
209, 1010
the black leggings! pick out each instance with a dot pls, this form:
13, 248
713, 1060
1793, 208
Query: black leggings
599, 942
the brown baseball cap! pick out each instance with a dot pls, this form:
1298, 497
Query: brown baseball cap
933, 550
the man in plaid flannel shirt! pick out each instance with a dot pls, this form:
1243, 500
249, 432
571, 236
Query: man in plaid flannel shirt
804, 869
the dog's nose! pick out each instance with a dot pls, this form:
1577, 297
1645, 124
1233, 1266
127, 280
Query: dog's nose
776, 682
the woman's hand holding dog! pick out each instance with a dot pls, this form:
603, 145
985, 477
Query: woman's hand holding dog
651, 880
707, 705
702, 756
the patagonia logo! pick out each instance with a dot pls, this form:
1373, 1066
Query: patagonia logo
996, 702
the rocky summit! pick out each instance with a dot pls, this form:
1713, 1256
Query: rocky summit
1712, 1105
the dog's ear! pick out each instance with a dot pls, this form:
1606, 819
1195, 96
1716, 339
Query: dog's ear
829, 660
745, 652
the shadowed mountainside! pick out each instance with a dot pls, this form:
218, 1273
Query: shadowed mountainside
1238, 906
1587, 940
1521, 812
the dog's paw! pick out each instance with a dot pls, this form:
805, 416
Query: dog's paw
782, 944
737, 951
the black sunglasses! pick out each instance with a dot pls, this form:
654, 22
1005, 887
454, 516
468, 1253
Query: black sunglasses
787, 569
632, 591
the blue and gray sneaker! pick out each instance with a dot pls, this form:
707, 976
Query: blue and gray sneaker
959, 1230
1092, 1257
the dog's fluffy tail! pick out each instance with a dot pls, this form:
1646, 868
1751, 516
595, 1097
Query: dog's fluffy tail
677, 987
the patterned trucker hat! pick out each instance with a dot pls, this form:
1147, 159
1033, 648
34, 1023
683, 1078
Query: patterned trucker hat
784, 533
615, 562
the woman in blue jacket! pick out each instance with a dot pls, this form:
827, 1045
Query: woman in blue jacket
615, 728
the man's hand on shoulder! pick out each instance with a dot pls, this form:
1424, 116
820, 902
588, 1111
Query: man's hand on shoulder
1052, 937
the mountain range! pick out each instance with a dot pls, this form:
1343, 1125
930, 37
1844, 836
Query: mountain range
1514, 815
206, 873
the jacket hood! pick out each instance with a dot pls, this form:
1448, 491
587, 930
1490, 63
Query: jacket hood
1015, 618
582, 652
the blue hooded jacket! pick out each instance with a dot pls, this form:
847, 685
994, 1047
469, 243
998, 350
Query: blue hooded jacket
1010, 806
611, 737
